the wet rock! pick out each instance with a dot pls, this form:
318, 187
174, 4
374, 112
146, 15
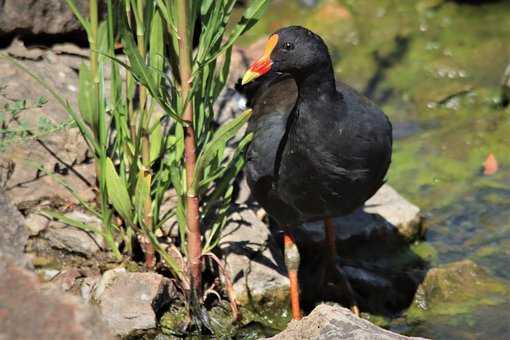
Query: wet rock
39, 17
505, 87
13, 233
334, 322
132, 301
456, 288
254, 260
72, 239
31, 311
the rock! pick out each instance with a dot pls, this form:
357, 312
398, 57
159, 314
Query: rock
66, 279
374, 254
505, 87
131, 302
254, 260
48, 274
456, 288
398, 211
13, 234
382, 213
87, 287
39, 17
36, 223
72, 239
31, 311
334, 322
39, 166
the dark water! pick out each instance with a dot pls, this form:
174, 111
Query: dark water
435, 67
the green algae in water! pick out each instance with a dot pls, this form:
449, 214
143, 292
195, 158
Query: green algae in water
454, 289
254, 324
435, 67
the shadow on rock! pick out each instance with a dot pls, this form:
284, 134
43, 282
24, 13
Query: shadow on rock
378, 261
375, 251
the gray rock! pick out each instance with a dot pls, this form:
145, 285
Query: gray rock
41, 16
62, 150
328, 322
72, 239
13, 235
130, 301
31, 311
254, 260
382, 213
36, 223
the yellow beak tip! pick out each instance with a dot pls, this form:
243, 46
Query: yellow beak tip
249, 76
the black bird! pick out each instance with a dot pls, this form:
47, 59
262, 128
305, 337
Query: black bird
320, 149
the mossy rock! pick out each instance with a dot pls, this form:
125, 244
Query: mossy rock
456, 288
253, 324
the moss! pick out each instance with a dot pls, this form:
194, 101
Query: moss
425, 251
457, 288
174, 322
254, 323
46, 262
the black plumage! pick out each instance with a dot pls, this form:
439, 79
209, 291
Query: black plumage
320, 149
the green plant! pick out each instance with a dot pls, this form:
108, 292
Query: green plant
153, 129
14, 129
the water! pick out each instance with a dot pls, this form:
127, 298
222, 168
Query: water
435, 67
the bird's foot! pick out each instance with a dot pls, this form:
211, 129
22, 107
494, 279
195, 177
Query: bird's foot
338, 288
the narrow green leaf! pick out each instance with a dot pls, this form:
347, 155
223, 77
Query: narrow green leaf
157, 45
117, 192
220, 138
72, 222
142, 193
87, 97
156, 138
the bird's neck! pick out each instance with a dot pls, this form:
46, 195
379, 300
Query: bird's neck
317, 85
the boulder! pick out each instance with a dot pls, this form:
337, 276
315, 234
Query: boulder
456, 288
39, 17
328, 322
32, 311
132, 302
254, 260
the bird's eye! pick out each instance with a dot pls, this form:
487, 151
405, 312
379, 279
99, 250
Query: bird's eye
288, 46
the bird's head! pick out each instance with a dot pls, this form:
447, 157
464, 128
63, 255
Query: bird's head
292, 50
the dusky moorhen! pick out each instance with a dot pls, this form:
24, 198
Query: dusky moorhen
320, 149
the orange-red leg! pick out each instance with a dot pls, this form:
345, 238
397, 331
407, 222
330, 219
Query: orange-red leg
292, 263
330, 230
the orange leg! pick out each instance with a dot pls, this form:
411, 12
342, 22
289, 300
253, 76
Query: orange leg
292, 264
331, 244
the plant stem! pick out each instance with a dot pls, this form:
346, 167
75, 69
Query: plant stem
150, 260
192, 203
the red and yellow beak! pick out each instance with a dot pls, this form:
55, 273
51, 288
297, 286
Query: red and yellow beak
263, 65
